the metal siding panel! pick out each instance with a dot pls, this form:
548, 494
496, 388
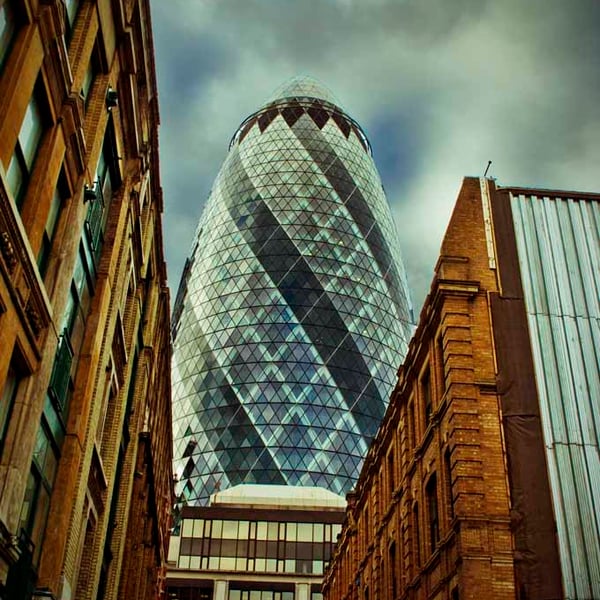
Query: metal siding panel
584, 522
585, 374
594, 240
555, 410
566, 390
590, 251
577, 259
572, 289
558, 244
571, 260
592, 459
554, 266
592, 357
572, 543
539, 331
587, 285
560, 514
528, 252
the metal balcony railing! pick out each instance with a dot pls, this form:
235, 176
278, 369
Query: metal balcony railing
61, 371
94, 220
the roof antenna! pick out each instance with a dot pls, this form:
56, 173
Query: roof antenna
487, 168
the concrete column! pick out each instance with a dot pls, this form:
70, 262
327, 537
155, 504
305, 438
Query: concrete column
221, 590
302, 591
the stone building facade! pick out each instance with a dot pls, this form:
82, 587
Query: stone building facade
460, 495
85, 422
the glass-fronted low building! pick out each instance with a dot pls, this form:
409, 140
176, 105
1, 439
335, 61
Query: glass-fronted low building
293, 312
255, 543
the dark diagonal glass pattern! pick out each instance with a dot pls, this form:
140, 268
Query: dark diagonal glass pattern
293, 311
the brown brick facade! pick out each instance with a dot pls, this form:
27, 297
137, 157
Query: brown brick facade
85, 464
430, 517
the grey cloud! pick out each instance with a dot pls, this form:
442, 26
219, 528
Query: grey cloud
440, 87
202, 56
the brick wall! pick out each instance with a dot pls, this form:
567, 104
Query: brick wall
444, 530
110, 406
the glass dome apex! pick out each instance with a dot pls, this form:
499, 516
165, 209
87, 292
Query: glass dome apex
303, 86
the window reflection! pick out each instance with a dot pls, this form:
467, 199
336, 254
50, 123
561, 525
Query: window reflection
30, 135
284, 547
7, 28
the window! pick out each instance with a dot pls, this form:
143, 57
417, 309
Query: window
391, 474
432, 512
112, 515
9, 394
255, 546
60, 380
72, 333
36, 503
50, 437
411, 425
78, 303
425, 385
28, 141
131, 394
241, 591
448, 483
87, 82
60, 194
90, 75
416, 537
107, 178
366, 529
83, 571
108, 405
70, 7
7, 28
393, 580
440, 360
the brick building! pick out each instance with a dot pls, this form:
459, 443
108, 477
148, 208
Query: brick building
480, 481
85, 422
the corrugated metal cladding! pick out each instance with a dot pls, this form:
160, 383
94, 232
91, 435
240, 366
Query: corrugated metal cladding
558, 243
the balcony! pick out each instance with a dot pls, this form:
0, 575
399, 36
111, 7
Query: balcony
61, 371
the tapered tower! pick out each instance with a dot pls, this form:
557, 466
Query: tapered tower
293, 312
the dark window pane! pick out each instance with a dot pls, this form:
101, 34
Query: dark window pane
39, 521
432, 507
7, 28
16, 178
71, 7
41, 447
31, 131
28, 500
8, 396
186, 546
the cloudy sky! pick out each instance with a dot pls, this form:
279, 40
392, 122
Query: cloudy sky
439, 86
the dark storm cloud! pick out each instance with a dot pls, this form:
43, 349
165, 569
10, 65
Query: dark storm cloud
204, 57
396, 138
441, 87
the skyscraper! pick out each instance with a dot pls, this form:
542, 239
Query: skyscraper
293, 311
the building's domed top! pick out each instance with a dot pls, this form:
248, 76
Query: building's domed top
303, 86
